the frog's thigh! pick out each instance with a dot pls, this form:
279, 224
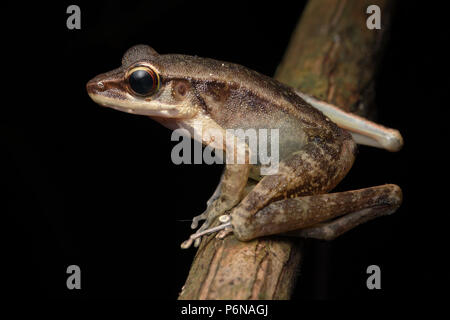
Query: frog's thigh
305, 213
317, 168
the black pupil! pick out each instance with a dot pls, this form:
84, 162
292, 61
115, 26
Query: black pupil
141, 82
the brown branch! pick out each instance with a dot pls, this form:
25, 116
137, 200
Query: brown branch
332, 55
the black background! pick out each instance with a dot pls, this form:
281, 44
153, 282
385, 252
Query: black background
94, 187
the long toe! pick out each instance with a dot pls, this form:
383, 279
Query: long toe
198, 218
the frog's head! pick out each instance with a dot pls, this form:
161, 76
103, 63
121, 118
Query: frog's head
143, 86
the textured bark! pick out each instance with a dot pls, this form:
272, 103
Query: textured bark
332, 55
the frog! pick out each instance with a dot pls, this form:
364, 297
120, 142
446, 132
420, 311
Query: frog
317, 144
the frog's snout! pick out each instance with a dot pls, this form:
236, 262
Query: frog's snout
106, 91
97, 90
95, 86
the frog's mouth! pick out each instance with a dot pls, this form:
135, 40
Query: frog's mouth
146, 108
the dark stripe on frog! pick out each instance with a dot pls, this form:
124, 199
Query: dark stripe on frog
232, 96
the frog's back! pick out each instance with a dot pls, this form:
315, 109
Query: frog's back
237, 97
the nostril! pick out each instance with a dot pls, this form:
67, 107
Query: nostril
95, 86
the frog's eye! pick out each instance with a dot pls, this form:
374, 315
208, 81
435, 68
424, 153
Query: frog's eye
143, 81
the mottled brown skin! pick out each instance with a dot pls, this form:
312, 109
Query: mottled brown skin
305, 213
315, 153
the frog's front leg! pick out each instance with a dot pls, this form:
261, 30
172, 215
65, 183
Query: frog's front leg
228, 201
232, 188
209, 204
233, 182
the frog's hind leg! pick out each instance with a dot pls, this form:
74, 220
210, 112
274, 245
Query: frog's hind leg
304, 216
316, 169
389, 199
363, 131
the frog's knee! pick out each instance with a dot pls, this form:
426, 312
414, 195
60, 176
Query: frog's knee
347, 157
241, 225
